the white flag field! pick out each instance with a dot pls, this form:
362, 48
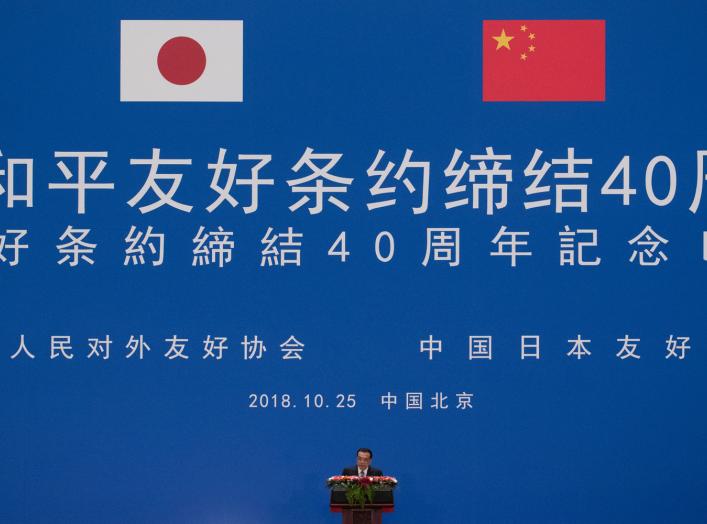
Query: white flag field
181, 60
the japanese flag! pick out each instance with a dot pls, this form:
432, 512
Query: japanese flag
181, 60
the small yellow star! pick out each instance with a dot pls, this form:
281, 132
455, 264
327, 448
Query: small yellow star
531, 48
523, 27
503, 40
523, 56
531, 36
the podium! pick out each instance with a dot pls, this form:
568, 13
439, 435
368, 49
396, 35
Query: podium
371, 513
355, 514
368, 514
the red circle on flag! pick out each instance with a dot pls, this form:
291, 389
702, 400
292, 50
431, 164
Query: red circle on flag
181, 60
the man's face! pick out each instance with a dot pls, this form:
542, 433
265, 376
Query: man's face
363, 459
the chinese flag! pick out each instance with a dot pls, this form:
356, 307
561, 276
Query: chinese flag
544, 60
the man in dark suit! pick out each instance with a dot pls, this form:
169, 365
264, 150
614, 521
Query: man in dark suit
363, 466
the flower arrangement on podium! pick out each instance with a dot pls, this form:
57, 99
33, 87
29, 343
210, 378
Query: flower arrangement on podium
359, 490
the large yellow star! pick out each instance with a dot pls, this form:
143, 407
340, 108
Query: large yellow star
503, 40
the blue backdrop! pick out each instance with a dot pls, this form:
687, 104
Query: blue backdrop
550, 440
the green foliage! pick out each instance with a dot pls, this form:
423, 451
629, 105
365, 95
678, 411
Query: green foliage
358, 494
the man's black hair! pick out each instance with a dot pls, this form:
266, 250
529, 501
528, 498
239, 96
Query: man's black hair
364, 450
